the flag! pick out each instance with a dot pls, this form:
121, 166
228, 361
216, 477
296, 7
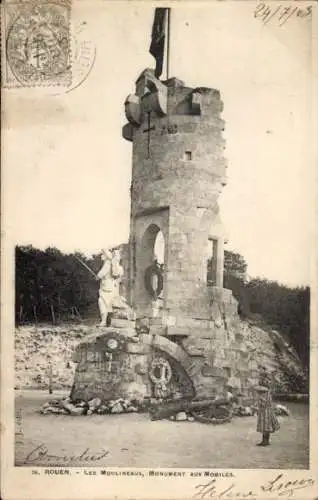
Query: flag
158, 39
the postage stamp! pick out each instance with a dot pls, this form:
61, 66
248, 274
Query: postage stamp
36, 43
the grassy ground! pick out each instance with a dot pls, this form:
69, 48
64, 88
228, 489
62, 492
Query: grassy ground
133, 440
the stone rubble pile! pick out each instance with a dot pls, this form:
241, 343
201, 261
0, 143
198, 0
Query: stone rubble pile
249, 411
94, 406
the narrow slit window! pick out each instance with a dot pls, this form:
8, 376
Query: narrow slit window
212, 262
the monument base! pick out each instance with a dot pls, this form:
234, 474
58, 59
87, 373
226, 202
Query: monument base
177, 357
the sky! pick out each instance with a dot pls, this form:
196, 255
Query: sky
66, 169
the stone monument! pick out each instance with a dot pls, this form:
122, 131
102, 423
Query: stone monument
191, 341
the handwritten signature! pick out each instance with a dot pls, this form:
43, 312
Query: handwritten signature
280, 486
42, 451
280, 13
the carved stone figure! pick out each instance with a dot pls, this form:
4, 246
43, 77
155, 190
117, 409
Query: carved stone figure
109, 276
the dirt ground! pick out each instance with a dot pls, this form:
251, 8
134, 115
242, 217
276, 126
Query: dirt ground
133, 440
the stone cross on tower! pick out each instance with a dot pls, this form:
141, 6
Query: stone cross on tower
148, 130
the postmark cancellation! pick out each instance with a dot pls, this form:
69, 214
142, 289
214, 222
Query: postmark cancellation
36, 43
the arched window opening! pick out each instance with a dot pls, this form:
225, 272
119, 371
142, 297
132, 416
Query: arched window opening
152, 261
159, 248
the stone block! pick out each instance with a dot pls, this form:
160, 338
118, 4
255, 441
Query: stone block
123, 323
241, 366
94, 403
211, 371
178, 330
218, 362
137, 348
220, 353
196, 346
193, 351
117, 408
227, 363
156, 321
76, 411
69, 407
243, 371
158, 330
169, 320
234, 382
252, 365
181, 416
197, 323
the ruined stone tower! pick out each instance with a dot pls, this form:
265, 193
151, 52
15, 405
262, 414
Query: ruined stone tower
178, 173
189, 342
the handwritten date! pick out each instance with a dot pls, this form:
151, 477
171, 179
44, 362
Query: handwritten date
280, 13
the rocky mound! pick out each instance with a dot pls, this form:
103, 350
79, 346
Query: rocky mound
277, 355
43, 354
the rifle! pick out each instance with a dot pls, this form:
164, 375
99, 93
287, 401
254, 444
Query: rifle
86, 266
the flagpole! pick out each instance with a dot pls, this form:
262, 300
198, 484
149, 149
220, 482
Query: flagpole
168, 43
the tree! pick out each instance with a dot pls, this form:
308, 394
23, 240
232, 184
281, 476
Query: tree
235, 268
284, 308
235, 265
50, 282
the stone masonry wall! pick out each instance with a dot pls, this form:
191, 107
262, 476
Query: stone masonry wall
44, 351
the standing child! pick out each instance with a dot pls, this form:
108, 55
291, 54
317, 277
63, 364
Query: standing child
266, 419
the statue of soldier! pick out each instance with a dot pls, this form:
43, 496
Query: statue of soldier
109, 277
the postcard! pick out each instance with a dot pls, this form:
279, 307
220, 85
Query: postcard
159, 276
